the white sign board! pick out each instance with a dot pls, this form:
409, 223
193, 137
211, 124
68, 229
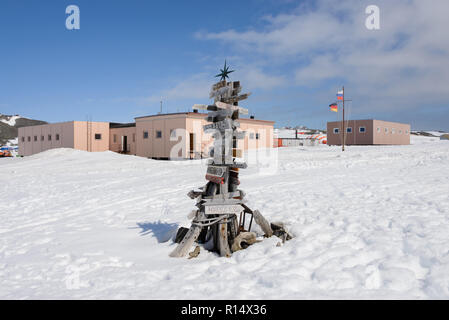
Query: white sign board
223, 209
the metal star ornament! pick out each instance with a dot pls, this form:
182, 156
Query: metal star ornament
224, 72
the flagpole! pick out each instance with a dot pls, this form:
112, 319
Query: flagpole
343, 122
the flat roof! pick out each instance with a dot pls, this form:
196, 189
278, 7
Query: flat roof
121, 125
198, 115
368, 120
165, 114
61, 122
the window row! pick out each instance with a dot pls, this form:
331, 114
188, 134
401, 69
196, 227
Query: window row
363, 130
173, 135
251, 136
393, 130
50, 137
42, 138
159, 134
349, 130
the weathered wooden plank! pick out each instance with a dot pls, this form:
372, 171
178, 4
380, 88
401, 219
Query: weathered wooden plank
232, 107
263, 223
223, 209
237, 153
223, 244
183, 248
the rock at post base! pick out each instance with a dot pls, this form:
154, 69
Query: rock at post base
243, 240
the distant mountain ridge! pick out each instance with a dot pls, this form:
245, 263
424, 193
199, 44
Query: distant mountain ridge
9, 126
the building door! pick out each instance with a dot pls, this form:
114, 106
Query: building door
192, 146
125, 144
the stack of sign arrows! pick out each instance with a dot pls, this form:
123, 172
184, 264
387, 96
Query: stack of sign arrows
221, 219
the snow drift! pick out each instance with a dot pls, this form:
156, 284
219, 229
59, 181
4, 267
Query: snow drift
372, 222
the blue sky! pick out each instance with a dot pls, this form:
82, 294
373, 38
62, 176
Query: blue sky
292, 56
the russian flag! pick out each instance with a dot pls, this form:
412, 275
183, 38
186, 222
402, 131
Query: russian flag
340, 95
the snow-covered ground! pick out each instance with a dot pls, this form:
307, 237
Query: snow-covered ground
436, 133
13, 142
372, 222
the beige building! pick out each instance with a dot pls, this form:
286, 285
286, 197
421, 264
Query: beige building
81, 135
162, 136
368, 132
122, 138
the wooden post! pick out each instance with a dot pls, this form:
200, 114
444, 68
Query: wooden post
223, 244
263, 223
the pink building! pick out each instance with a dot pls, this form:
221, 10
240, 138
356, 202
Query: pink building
368, 132
81, 135
163, 136
159, 135
122, 138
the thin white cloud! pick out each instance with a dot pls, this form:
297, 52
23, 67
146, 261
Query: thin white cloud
197, 87
406, 62
193, 87
255, 78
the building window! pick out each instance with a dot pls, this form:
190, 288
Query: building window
98, 136
400, 131
257, 136
172, 133
145, 134
42, 138
29, 138
362, 129
406, 131
158, 134
23, 139
386, 130
35, 138
57, 137
349, 130
336, 131
134, 137
393, 130
251, 135
115, 138
49, 137
378, 129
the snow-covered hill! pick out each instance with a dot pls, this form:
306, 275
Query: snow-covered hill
372, 222
9, 120
9, 128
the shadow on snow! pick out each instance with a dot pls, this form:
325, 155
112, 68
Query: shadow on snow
161, 230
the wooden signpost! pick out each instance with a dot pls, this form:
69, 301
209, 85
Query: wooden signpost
219, 202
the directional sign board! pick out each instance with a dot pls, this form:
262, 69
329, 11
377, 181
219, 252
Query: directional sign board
221, 125
231, 107
216, 171
223, 209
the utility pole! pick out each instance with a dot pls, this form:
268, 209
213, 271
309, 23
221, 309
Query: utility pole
161, 107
